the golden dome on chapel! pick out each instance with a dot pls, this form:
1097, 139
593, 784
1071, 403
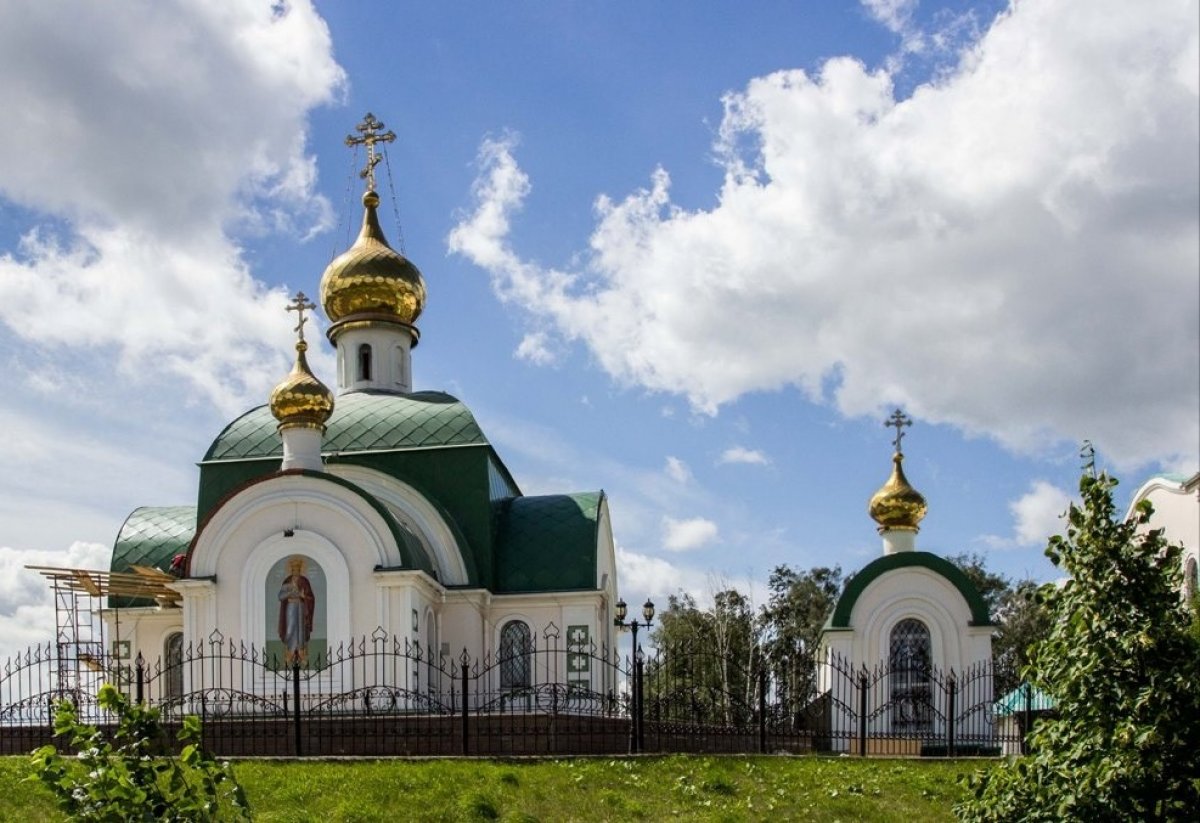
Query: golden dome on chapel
897, 506
301, 400
370, 281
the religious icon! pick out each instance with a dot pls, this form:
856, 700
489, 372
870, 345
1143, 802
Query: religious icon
297, 606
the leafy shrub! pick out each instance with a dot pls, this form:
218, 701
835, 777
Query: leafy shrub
125, 779
1122, 662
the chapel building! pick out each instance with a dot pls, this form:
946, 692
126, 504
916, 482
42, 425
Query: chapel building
366, 511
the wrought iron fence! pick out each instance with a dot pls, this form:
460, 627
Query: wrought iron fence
385, 695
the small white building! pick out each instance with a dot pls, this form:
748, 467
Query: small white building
909, 621
1176, 502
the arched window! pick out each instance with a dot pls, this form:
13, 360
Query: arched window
364, 362
909, 670
1190, 582
515, 645
173, 665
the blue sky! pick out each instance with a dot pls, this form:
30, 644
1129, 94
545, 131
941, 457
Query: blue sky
692, 254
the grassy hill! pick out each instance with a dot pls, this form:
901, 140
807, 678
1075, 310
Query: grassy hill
692, 788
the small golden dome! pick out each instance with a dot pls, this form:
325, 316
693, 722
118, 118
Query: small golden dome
301, 400
897, 506
370, 281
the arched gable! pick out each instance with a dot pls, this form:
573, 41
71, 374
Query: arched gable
436, 531
901, 560
335, 508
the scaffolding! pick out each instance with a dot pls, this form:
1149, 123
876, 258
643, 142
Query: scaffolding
82, 653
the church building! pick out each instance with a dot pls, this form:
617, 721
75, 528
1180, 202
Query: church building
368, 510
911, 616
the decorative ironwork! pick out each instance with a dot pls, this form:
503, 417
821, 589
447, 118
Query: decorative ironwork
387, 695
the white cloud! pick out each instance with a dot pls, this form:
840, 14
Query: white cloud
1011, 250
148, 138
685, 535
26, 599
895, 15
677, 470
740, 454
1039, 513
534, 348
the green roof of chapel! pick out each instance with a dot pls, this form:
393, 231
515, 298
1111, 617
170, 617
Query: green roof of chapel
361, 421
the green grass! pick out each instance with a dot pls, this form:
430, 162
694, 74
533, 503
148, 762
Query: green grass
618, 789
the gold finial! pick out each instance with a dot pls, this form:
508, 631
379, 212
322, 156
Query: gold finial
370, 129
300, 304
898, 420
897, 506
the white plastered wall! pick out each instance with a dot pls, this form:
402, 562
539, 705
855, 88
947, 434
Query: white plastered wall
281, 516
1176, 512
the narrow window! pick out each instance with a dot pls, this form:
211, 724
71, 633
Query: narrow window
173, 666
364, 362
515, 646
1190, 583
909, 665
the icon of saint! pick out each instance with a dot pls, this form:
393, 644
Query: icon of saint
297, 604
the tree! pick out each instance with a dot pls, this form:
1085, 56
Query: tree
126, 778
1022, 619
1122, 665
992, 587
799, 604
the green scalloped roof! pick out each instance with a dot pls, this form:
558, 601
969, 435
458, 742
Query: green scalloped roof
547, 543
152, 536
840, 619
361, 421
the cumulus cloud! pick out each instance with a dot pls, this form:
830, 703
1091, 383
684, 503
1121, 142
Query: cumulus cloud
685, 535
1012, 249
740, 454
145, 141
26, 599
1039, 513
677, 470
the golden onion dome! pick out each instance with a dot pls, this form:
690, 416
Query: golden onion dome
301, 400
897, 506
371, 281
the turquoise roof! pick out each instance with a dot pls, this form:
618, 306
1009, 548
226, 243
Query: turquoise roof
1015, 701
840, 619
361, 421
547, 543
152, 536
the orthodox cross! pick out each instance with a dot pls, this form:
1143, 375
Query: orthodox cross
300, 303
899, 420
370, 129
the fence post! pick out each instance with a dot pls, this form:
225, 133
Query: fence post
299, 749
1027, 726
140, 667
862, 712
464, 701
639, 707
762, 710
951, 709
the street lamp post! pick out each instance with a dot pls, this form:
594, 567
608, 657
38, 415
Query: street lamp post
639, 741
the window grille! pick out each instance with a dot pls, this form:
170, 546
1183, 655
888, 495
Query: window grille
909, 664
515, 647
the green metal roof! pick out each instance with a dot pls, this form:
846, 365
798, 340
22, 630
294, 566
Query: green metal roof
1025, 695
361, 421
840, 619
152, 536
547, 543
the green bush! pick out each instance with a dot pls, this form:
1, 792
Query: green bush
1122, 662
125, 779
